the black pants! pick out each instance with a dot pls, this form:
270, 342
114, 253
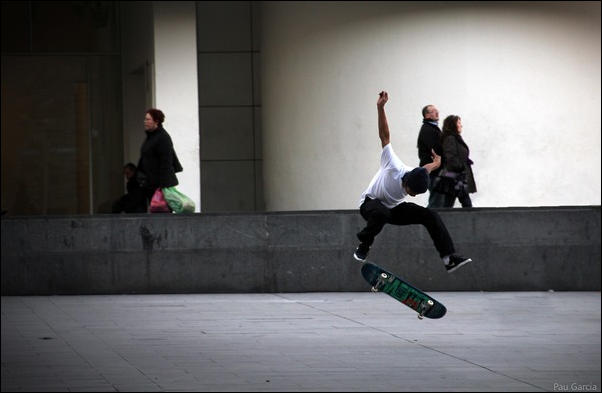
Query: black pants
463, 198
377, 215
147, 194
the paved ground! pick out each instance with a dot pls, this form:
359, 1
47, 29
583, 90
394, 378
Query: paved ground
511, 341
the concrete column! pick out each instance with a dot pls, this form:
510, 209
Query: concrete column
176, 86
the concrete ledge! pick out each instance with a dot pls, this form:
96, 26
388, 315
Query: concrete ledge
513, 249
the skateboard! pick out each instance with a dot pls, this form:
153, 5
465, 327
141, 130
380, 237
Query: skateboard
384, 281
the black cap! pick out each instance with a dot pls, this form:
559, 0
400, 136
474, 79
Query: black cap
417, 179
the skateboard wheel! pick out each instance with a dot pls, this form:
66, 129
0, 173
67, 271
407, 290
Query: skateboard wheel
420, 316
374, 289
430, 303
384, 275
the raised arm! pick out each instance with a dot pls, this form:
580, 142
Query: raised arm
383, 125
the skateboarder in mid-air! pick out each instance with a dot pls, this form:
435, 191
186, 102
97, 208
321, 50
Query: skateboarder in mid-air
382, 202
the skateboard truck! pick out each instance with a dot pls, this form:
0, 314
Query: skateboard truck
424, 307
383, 278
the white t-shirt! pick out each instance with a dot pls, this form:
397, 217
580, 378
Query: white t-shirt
386, 184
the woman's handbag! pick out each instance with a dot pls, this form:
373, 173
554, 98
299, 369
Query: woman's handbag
445, 182
177, 201
158, 203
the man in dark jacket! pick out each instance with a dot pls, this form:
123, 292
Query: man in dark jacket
429, 139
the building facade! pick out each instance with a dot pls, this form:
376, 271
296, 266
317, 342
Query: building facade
271, 105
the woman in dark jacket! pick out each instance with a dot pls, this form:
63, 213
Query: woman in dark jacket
158, 161
455, 159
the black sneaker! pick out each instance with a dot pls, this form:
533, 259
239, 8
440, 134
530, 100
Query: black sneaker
455, 261
362, 252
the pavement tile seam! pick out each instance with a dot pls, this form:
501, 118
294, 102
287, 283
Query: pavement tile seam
422, 345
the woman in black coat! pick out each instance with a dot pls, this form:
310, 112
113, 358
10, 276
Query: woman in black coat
455, 159
158, 161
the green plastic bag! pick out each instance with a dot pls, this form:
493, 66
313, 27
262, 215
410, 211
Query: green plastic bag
177, 201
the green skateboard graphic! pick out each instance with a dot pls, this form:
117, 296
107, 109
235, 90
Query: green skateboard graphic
384, 281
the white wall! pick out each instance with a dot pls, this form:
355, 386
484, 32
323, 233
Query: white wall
176, 86
525, 78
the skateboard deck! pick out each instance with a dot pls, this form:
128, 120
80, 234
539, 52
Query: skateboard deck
384, 281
